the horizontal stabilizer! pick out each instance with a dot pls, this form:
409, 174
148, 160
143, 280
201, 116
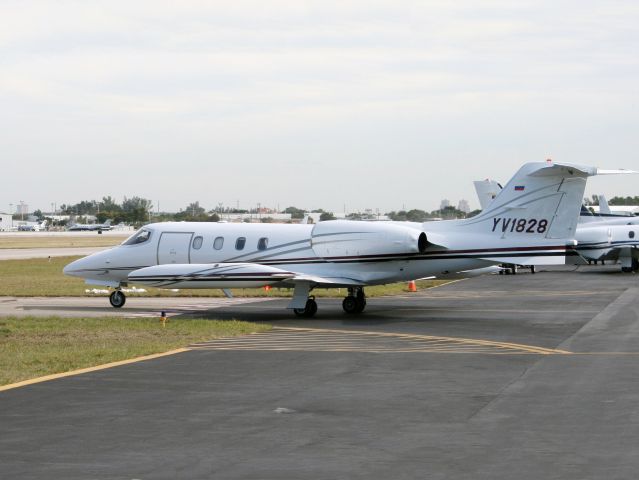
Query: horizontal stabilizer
620, 171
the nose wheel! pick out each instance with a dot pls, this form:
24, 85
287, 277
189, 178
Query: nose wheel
309, 310
117, 299
355, 302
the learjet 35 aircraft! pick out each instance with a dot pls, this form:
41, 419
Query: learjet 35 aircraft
531, 221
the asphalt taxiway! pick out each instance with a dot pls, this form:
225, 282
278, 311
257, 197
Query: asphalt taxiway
525, 376
26, 253
44, 251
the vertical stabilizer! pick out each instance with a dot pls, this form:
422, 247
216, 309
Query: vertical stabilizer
487, 190
603, 205
541, 201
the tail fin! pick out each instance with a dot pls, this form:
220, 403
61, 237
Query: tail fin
486, 190
108, 222
541, 201
603, 205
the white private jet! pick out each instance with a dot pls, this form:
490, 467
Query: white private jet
32, 226
531, 221
90, 227
599, 237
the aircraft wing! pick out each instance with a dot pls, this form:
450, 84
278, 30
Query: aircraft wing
215, 275
228, 275
235, 275
325, 281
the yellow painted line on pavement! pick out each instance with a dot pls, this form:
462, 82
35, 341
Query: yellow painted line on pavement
55, 376
457, 340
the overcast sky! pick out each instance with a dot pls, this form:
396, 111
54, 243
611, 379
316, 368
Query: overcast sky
313, 104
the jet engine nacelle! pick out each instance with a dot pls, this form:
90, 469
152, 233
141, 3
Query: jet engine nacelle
592, 235
614, 234
334, 240
625, 233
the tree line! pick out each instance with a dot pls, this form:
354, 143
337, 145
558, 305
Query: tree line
137, 210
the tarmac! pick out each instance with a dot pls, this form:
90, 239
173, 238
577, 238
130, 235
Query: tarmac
45, 252
25, 253
525, 376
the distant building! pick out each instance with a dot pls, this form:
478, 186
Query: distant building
463, 206
22, 209
6, 222
445, 203
255, 217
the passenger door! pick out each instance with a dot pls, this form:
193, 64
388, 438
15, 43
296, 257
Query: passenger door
174, 247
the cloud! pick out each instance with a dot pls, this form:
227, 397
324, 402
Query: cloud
250, 89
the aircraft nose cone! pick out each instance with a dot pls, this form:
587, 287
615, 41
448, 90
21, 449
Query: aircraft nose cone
73, 268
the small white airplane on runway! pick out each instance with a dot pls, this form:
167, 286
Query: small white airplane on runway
599, 237
531, 221
90, 227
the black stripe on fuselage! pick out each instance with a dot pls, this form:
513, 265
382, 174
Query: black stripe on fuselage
437, 255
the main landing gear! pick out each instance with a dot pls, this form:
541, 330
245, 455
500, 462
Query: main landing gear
117, 299
309, 310
355, 302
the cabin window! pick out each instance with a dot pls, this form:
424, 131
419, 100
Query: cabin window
140, 236
197, 243
218, 243
262, 243
239, 243
631, 234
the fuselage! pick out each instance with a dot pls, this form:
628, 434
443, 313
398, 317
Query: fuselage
601, 241
291, 247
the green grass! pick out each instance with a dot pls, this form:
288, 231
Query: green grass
32, 347
39, 240
43, 277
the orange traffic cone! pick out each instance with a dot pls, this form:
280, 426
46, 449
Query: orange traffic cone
267, 288
411, 286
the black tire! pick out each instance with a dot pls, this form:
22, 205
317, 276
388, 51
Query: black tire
626, 269
308, 311
117, 299
351, 305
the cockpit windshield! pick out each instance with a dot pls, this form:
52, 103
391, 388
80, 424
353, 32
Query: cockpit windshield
138, 237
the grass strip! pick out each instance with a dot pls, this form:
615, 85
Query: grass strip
36, 346
41, 277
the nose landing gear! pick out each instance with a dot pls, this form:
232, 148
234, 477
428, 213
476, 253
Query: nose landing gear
117, 299
355, 302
